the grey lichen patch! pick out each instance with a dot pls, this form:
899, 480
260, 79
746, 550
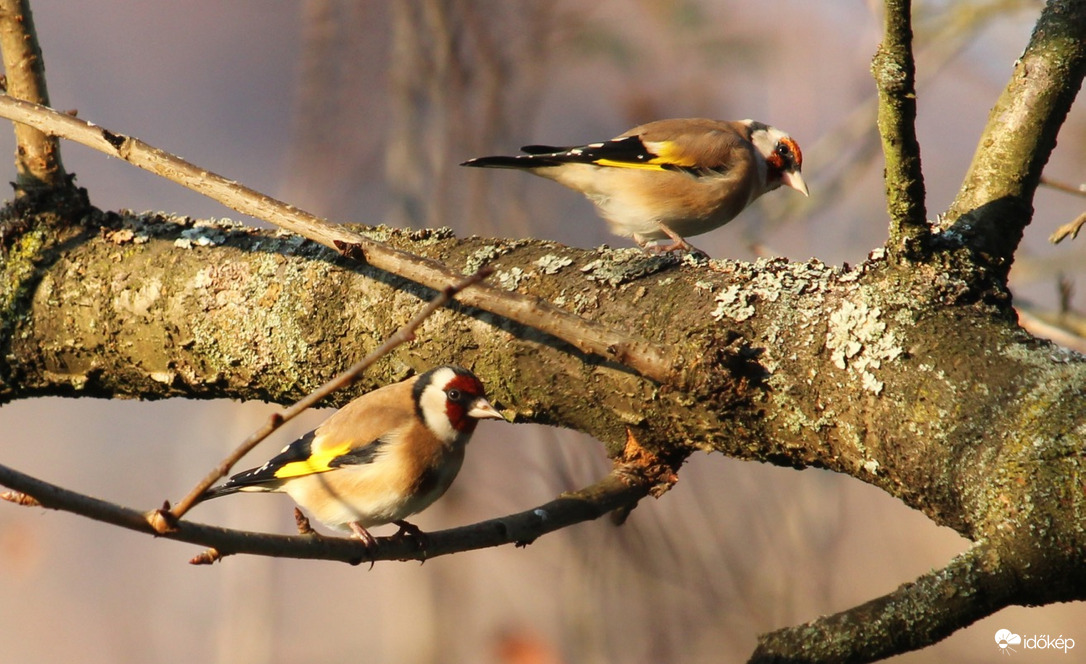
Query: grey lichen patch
425, 236
734, 303
623, 265
201, 235
859, 342
510, 279
481, 257
552, 263
771, 278
141, 227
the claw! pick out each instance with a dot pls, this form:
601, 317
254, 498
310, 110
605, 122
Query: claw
411, 529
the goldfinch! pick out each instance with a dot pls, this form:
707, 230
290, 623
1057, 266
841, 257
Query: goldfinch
669, 178
386, 455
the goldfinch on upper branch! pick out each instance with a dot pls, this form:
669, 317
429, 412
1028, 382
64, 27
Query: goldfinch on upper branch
670, 178
384, 456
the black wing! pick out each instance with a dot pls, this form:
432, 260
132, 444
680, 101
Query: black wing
295, 460
628, 150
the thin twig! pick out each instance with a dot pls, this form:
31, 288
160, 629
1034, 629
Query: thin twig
895, 76
1065, 187
1068, 230
403, 335
649, 360
1040, 327
618, 489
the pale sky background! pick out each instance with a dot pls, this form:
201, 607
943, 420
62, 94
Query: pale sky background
735, 549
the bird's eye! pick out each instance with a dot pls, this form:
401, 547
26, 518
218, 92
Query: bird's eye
783, 150
454, 395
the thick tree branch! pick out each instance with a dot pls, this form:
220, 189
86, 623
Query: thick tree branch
914, 616
918, 380
871, 371
995, 202
651, 361
895, 76
37, 156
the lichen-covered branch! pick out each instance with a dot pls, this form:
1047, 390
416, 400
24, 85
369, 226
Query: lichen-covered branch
995, 202
610, 344
871, 371
895, 76
914, 616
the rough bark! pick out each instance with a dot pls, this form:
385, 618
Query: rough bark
910, 375
916, 380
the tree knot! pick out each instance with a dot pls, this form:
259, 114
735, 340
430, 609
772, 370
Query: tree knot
637, 465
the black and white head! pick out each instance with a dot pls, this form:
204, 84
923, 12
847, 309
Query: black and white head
451, 401
782, 155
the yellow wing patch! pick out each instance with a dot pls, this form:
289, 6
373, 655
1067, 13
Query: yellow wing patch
316, 463
666, 155
644, 165
669, 153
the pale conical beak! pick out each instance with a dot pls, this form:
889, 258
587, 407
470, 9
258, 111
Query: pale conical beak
794, 180
482, 410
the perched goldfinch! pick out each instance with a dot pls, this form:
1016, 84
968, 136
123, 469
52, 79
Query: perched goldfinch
384, 456
670, 178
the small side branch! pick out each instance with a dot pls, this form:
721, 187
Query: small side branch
37, 154
915, 615
895, 77
995, 202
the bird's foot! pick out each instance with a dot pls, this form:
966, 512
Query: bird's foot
368, 540
680, 247
421, 539
361, 533
678, 244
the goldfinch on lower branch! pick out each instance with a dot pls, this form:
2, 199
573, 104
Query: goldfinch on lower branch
670, 178
384, 456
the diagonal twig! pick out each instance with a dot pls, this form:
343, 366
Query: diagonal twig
162, 521
648, 359
1065, 187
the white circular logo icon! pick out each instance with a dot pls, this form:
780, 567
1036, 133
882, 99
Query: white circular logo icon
1005, 638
